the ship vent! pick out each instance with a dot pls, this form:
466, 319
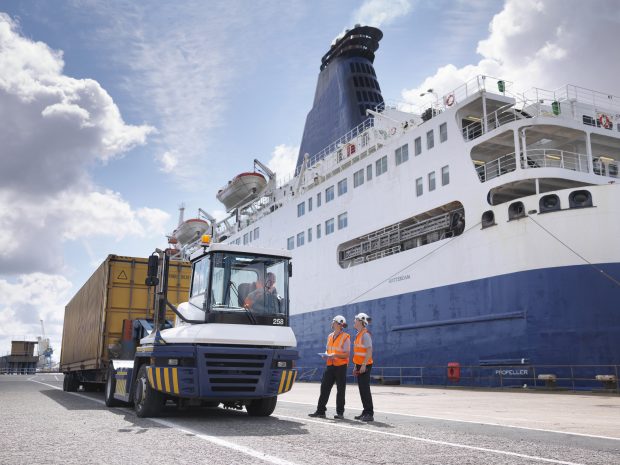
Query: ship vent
416, 231
549, 203
516, 211
488, 219
580, 199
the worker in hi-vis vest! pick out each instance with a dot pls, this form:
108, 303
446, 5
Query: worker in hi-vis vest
362, 358
337, 359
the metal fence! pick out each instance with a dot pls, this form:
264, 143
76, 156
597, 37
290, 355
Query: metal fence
600, 378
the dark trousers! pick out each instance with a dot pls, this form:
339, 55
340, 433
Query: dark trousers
363, 383
333, 374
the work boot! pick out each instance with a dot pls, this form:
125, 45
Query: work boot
317, 415
339, 416
367, 417
359, 417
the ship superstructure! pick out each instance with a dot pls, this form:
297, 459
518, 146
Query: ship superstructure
482, 230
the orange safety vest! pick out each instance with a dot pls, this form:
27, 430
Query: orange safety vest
359, 351
336, 346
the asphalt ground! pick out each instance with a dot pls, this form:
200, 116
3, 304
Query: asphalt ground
41, 424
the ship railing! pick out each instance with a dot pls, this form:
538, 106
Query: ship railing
553, 158
495, 168
596, 378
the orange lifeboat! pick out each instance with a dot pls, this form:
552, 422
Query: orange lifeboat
242, 188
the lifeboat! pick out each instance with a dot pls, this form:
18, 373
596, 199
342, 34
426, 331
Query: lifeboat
242, 188
188, 231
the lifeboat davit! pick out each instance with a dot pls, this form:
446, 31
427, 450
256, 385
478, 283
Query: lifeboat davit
188, 231
242, 188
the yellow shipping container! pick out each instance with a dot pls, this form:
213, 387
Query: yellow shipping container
115, 292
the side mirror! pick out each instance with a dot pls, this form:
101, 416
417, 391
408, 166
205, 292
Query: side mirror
290, 270
151, 274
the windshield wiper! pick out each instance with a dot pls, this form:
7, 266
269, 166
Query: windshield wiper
250, 315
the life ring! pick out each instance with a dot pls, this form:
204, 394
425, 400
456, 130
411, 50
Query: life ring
392, 131
450, 100
605, 121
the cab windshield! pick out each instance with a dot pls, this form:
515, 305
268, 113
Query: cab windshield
233, 287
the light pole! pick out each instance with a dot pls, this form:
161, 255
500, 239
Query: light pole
435, 105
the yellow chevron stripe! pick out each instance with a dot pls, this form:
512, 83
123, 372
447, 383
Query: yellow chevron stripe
158, 377
150, 373
282, 381
175, 381
121, 386
288, 381
167, 379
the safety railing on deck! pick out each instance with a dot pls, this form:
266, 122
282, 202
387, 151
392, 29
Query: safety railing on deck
543, 158
598, 378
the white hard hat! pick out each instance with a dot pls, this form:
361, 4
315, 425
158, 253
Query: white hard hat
363, 318
340, 320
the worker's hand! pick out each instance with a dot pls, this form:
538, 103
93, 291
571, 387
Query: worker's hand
363, 368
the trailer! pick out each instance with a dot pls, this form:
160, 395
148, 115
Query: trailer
105, 316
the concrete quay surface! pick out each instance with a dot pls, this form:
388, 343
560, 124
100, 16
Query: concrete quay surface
41, 424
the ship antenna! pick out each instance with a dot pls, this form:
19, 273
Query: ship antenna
181, 212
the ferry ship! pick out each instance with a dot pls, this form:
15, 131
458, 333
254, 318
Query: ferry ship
482, 231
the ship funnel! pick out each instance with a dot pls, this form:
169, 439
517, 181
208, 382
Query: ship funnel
347, 86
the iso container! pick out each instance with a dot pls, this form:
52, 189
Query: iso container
115, 292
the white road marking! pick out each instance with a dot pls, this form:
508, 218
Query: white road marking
432, 441
473, 422
212, 439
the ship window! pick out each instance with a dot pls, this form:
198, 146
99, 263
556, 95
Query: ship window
300, 239
329, 194
358, 178
329, 226
588, 120
351, 67
342, 221
419, 189
245, 239
372, 71
310, 204
445, 175
369, 172
418, 146
357, 67
309, 234
342, 187
318, 231
318, 200
301, 209
430, 139
256, 230
355, 81
365, 95
238, 241
290, 243
431, 181
366, 81
359, 95
362, 110
402, 154
443, 132
381, 166
251, 235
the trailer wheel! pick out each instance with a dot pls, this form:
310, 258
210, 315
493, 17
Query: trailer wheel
70, 383
110, 389
147, 401
262, 407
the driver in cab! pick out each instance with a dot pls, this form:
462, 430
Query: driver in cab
265, 297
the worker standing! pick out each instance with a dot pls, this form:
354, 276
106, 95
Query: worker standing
362, 358
337, 359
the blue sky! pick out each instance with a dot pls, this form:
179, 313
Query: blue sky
116, 112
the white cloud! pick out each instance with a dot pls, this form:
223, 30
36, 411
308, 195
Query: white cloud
53, 128
26, 301
283, 161
544, 44
168, 161
380, 13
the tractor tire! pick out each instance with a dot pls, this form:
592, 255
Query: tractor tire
147, 401
262, 407
110, 389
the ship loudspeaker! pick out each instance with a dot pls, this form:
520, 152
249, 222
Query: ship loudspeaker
488, 219
516, 211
